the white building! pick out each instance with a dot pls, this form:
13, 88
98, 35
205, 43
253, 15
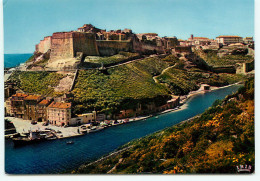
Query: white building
228, 39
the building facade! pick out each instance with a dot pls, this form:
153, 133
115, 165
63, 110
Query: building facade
59, 113
17, 105
42, 110
227, 39
30, 104
88, 117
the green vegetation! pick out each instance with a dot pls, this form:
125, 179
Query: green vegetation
30, 59
37, 82
96, 61
214, 142
213, 59
122, 87
181, 82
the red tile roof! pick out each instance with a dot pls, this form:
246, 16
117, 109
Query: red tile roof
44, 102
32, 97
200, 38
60, 105
19, 95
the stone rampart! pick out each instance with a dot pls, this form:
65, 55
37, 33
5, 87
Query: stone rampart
224, 69
67, 44
62, 45
112, 47
243, 68
85, 43
146, 48
44, 45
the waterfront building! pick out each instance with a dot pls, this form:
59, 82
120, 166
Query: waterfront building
101, 117
125, 114
17, 105
42, 110
8, 107
172, 103
30, 103
88, 117
59, 113
228, 39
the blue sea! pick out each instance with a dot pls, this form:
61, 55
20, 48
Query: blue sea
12, 60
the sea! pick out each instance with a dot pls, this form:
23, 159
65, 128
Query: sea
13, 60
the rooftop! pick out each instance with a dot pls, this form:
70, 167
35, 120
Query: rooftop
201, 38
60, 105
44, 102
228, 36
19, 95
32, 97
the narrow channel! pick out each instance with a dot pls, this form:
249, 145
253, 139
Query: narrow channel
57, 156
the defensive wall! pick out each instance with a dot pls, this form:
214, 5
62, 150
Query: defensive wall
112, 47
67, 44
243, 68
147, 48
44, 45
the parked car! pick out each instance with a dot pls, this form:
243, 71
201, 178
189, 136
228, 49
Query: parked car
33, 122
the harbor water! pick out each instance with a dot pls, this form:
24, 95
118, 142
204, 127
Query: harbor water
56, 156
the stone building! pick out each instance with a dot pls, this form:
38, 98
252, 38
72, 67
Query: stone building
59, 113
30, 104
248, 40
88, 117
42, 110
8, 107
199, 40
17, 105
10, 89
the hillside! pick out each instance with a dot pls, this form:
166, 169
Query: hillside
152, 79
122, 86
212, 59
214, 142
143, 81
42, 83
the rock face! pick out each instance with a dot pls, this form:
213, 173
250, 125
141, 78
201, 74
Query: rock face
64, 84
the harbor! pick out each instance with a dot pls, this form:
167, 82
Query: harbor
23, 129
46, 156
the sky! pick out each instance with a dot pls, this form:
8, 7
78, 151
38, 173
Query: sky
26, 22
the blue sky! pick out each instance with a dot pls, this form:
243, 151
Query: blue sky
26, 22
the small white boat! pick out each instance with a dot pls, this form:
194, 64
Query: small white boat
70, 142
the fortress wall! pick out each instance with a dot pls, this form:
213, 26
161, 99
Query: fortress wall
146, 48
243, 68
112, 47
62, 45
227, 69
44, 45
85, 43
